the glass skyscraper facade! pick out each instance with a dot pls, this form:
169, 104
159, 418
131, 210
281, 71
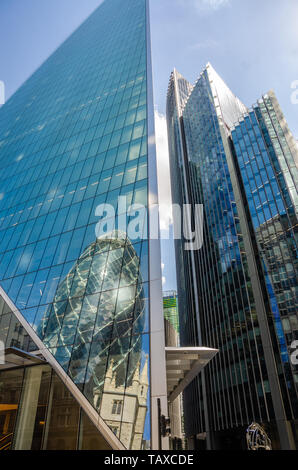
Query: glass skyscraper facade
236, 300
265, 153
78, 134
179, 90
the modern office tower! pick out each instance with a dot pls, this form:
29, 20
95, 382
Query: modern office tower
179, 90
266, 157
80, 133
242, 284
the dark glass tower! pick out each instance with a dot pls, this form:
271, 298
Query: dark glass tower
233, 298
79, 133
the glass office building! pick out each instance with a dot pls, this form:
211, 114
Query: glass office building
237, 301
78, 134
178, 92
170, 309
171, 321
265, 154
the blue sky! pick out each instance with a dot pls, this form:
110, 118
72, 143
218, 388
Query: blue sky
253, 45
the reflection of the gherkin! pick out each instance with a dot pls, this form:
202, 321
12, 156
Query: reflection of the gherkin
97, 311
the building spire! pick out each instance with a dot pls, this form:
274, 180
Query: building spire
109, 374
136, 376
144, 374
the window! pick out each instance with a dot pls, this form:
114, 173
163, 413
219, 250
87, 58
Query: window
64, 419
117, 407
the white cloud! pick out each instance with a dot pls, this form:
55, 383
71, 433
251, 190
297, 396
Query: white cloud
163, 170
213, 4
206, 44
206, 5
164, 279
20, 157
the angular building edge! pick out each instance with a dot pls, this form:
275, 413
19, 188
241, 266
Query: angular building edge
95, 418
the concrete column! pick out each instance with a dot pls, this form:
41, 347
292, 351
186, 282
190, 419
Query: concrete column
48, 415
158, 384
28, 409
